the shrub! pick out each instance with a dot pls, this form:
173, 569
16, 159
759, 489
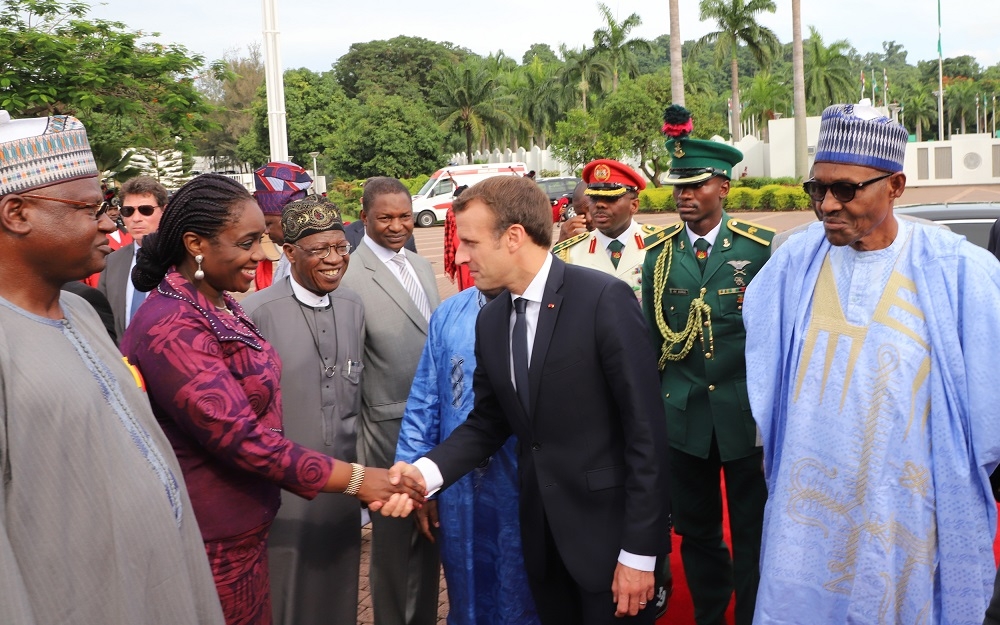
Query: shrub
414, 184
791, 198
757, 182
767, 197
657, 199
741, 199
549, 173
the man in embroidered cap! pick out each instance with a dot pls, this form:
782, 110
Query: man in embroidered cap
276, 184
871, 342
617, 246
95, 522
694, 276
318, 328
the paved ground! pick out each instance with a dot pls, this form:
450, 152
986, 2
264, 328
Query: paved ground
430, 243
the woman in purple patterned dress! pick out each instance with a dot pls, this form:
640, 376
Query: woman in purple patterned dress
213, 384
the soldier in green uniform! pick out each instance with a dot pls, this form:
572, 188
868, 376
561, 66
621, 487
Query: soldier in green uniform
694, 279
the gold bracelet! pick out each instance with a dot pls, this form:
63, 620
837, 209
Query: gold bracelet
357, 476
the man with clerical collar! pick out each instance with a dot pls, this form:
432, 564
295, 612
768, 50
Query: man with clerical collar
872, 341
617, 245
695, 274
317, 326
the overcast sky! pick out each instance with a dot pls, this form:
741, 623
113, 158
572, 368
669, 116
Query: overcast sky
314, 33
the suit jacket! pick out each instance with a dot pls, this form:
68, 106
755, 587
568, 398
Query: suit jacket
355, 231
113, 282
593, 453
706, 392
394, 339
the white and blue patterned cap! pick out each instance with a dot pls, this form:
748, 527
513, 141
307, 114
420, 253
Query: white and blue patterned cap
858, 134
42, 151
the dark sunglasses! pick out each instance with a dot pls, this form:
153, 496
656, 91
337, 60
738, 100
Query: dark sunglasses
843, 192
145, 210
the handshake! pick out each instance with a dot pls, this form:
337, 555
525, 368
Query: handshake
396, 491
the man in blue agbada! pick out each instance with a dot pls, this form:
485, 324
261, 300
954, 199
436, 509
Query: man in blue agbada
873, 343
479, 530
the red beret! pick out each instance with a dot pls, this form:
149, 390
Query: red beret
606, 177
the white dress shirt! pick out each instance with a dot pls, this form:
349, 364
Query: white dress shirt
627, 235
533, 293
385, 255
129, 288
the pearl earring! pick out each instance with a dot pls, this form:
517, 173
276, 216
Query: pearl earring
199, 274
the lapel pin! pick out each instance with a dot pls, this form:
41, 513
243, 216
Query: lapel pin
552, 305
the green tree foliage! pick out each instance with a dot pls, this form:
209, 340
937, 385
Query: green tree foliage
400, 66
920, 110
828, 75
127, 92
542, 51
385, 136
233, 94
737, 22
541, 99
634, 116
578, 140
766, 95
960, 101
467, 98
612, 43
584, 73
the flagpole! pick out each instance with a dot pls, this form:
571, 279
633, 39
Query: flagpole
940, 80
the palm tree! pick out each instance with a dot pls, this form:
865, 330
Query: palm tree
583, 71
960, 96
920, 107
765, 96
466, 97
738, 26
541, 104
612, 44
697, 81
828, 75
799, 93
676, 58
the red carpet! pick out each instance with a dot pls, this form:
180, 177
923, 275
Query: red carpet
680, 609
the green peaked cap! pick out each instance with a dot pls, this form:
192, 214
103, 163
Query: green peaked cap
695, 160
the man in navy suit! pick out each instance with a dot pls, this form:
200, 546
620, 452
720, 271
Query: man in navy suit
564, 362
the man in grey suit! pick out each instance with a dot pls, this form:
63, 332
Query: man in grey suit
143, 199
399, 292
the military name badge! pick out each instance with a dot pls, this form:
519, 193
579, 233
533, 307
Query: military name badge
738, 271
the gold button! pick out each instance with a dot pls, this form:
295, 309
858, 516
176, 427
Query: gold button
671, 308
666, 395
708, 323
711, 387
708, 354
739, 308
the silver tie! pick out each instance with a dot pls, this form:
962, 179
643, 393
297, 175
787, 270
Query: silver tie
412, 286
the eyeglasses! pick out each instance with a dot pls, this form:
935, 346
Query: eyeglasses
145, 210
843, 192
343, 249
96, 210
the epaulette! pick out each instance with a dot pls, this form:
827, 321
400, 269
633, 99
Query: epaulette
563, 246
654, 235
752, 231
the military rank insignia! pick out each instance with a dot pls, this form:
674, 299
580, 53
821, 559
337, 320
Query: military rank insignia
738, 271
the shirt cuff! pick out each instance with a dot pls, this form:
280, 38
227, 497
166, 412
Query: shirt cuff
432, 475
633, 561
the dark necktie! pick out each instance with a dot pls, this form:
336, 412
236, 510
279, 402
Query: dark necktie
616, 248
519, 350
701, 254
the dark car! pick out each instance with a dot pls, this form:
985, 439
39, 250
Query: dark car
972, 220
556, 188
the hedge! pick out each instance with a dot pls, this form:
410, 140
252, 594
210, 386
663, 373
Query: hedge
770, 197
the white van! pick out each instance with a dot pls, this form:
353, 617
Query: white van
431, 203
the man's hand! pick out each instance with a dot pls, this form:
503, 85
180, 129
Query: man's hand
400, 504
427, 517
572, 227
377, 488
632, 589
